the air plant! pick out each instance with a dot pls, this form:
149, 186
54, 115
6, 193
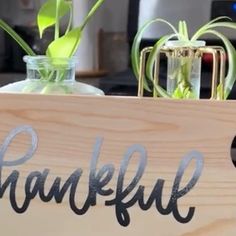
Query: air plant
184, 89
64, 45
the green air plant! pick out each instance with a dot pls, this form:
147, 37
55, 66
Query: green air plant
64, 45
185, 88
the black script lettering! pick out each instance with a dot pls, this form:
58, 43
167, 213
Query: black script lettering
176, 193
10, 137
122, 213
35, 182
56, 191
121, 193
98, 181
172, 206
12, 179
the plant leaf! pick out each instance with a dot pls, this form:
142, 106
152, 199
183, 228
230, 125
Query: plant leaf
185, 30
70, 20
91, 13
47, 13
151, 60
57, 20
231, 25
231, 52
135, 51
17, 38
204, 27
180, 27
66, 45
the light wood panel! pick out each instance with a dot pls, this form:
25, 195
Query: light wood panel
67, 128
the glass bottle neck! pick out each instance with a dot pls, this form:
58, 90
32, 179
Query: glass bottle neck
50, 69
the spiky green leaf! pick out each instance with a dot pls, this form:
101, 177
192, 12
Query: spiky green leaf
152, 58
91, 13
17, 38
231, 52
135, 51
185, 30
208, 25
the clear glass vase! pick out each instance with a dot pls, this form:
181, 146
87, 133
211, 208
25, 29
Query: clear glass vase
184, 69
47, 75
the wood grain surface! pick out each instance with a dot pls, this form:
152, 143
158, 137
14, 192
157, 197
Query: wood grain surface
67, 128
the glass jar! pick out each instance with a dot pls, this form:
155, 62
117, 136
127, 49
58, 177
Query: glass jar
184, 69
47, 75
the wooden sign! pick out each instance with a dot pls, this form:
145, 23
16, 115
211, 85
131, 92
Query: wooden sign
104, 166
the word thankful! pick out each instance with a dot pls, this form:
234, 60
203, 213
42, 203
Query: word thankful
98, 181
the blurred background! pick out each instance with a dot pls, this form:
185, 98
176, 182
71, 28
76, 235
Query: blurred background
104, 53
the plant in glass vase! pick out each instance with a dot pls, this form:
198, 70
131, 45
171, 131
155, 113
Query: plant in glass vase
53, 72
183, 79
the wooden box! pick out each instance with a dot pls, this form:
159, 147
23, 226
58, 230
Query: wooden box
104, 166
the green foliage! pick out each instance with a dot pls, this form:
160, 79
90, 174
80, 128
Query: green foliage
17, 38
135, 54
63, 46
66, 45
151, 61
47, 16
184, 89
50, 14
